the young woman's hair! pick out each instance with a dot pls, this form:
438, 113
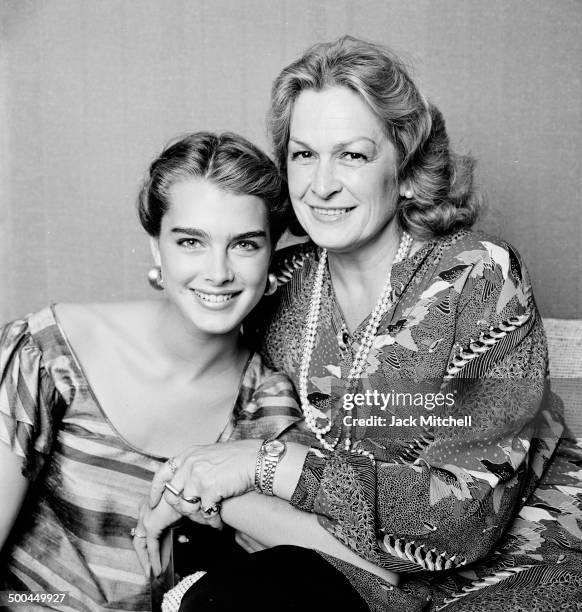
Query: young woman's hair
227, 160
441, 182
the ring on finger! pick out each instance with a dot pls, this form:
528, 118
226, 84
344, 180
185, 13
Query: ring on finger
168, 486
134, 533
172, 465
191, 500
212, 510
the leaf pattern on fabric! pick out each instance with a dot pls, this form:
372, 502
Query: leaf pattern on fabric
464, 299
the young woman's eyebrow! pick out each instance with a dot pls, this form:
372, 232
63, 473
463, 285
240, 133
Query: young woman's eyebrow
251, 234
198, 233
190, 231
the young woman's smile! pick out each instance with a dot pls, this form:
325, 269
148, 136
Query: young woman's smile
214, 249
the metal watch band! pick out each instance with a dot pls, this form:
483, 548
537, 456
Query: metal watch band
259, 469
266, 465
268, 474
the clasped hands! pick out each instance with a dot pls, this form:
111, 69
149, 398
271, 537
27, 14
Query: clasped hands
192, 484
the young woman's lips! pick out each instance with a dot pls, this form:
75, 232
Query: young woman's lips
216, 301
330, 214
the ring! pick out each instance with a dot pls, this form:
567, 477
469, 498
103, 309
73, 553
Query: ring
172, 465
214, 509
191, 500
172, 489
135, 534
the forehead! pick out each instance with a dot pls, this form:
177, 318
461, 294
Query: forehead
333, 113
201, 204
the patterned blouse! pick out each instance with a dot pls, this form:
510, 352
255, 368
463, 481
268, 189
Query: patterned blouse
458, 372
73, 533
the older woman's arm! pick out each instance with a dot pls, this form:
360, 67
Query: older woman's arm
446, 501
272, 522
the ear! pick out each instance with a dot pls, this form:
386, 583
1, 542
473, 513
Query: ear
155, 250
405, 189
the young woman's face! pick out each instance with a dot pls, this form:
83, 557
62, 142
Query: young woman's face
214, 250
341, 170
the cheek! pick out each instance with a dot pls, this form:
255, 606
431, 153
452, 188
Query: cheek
178, 266
298, 180
254, 271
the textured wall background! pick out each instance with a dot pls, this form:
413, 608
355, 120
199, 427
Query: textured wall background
90, 90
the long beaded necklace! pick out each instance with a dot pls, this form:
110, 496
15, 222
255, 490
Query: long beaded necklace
380, 309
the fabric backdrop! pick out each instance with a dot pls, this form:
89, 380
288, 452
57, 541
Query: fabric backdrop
90, 90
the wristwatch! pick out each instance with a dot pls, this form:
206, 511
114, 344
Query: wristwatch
268, 458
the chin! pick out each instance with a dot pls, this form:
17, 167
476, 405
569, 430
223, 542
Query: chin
334, 241
216, 328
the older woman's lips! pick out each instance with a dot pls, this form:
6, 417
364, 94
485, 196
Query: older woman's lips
330, 214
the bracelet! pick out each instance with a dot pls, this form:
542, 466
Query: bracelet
268, 458
259, 471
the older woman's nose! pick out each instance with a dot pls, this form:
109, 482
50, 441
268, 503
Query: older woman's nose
325, 182
218, 268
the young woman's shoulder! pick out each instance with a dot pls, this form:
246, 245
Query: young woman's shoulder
91, 324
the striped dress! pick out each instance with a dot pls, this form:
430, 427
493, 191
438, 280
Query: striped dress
73, 532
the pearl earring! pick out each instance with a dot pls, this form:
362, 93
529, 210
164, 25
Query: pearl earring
155, 278
271, 284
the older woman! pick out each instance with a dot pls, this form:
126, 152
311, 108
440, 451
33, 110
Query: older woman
420, 360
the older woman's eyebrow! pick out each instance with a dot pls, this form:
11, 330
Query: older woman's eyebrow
338, 145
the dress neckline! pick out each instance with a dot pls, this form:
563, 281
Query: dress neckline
401, 271
225, 432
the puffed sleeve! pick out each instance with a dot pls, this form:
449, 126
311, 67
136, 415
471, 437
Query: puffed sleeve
447, 499
29, 402
267, 406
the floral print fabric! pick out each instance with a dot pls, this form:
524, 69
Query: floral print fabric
447, 506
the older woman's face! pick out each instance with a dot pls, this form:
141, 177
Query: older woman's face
341, 170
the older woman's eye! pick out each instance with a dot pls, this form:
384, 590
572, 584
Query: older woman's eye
301, 155
353, 156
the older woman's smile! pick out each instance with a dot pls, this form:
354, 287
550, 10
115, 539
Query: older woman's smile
341, 170
330, 214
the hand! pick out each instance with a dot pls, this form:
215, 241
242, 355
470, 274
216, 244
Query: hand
249, 544
190, 506
151, 524
211, 472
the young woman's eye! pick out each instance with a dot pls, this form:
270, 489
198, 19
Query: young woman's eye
246, 245
301, 155
189, 243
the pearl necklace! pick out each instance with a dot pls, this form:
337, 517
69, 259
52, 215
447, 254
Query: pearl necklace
380, 309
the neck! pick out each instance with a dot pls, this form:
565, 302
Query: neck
184, 346
364, 270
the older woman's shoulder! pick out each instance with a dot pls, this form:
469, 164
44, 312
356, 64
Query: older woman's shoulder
480, 249
294, 260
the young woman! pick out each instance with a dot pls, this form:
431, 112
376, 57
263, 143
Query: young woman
96, 397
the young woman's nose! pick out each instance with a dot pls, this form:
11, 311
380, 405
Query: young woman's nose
218, 269
324, 182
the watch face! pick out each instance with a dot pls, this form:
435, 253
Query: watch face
275, 448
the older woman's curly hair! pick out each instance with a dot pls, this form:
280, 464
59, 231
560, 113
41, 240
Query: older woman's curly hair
441, 182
